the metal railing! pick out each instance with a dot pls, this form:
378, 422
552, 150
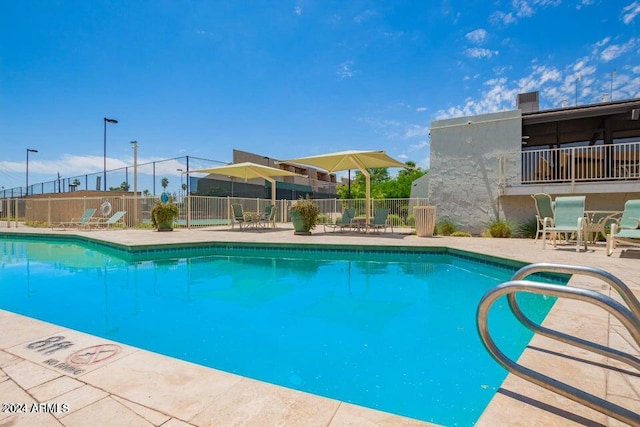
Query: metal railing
611, 162
628, 315
194, 211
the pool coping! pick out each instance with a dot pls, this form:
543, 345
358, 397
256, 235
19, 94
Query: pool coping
516, 399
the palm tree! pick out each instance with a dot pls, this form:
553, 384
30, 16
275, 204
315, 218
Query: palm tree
164, 182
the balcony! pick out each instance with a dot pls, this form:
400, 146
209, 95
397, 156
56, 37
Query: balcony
588, 169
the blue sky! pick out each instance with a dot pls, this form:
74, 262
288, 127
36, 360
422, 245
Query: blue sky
287, 78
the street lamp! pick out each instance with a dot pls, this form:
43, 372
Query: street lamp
29, 150
613, 74
180, 170
104, 174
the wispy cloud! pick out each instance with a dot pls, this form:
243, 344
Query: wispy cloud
364, 16
523, 9
476, 52
421, 109
478, 36
630, 12
345, 70
297, 10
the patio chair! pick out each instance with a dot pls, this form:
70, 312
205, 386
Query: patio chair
568, 217
268, 216
544, 209
628, 230
77, 222
108, 223
238, 215
379, 222
344, 222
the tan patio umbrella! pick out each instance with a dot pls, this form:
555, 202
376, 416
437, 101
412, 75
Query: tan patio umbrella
249, 170
345, 160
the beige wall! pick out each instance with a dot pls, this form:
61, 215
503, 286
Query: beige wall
464, 176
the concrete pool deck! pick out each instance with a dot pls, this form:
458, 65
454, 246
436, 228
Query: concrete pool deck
107, 383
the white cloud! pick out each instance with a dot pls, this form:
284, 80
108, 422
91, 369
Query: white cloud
416, 131
501, 18
616, 50
476, 52
421, 109
478, 36
419, 145
297, 10
345, 70
630, 12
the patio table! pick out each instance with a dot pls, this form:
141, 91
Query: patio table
597, 221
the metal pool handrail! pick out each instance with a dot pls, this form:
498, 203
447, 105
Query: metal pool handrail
628, 317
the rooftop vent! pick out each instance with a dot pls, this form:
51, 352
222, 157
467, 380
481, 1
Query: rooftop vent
528, 102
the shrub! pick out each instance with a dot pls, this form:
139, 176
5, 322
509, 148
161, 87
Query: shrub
445, 227
411, 221
395, 220
528, 229
500, 229
309, 212
460, 234
324, 219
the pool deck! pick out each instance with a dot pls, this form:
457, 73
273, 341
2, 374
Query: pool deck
96, 381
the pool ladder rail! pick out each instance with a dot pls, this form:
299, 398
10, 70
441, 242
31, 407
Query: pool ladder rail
628, 315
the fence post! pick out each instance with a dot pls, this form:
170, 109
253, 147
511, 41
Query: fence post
188, 211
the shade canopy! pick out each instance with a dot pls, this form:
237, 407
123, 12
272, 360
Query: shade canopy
353, 159
249, 170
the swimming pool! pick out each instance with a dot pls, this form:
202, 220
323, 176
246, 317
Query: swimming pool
389, 330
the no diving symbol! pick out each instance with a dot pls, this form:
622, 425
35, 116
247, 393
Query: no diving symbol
94, 354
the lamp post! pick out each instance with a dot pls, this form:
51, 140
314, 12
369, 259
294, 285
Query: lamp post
29, 150
613, 74
180, 170
104, 174
135, 182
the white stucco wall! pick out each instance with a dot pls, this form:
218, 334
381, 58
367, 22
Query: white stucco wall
464, 174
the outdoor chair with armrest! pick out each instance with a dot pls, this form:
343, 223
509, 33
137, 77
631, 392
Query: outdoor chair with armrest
268, 216
344, 222
238, 216
627, 231
544, 209
379, 222
568, 218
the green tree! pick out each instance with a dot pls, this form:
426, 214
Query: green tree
123, 187
382, 185
164, 182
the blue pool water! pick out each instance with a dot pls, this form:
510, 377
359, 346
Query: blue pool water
391, 331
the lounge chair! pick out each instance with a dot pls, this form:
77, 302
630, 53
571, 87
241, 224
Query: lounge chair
113, 220
628, 230
568, 218
379, 222
544, 209
344, 222
85, 219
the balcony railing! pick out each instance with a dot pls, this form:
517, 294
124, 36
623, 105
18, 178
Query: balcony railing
612, 162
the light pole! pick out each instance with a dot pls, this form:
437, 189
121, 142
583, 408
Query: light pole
104, 174
29, 150
180, 170
613, 74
